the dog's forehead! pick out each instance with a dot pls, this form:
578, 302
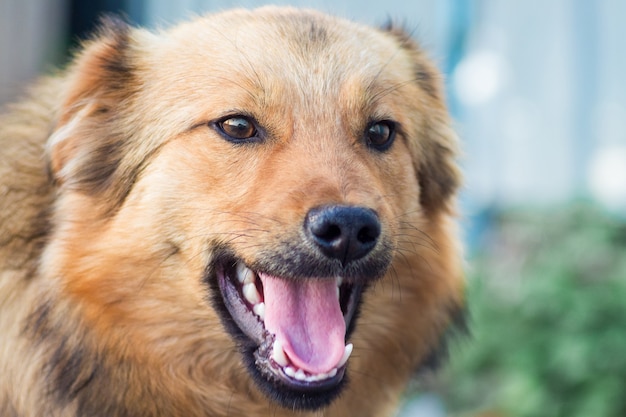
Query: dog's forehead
274, 48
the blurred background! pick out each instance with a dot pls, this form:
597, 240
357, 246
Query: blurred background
536, 89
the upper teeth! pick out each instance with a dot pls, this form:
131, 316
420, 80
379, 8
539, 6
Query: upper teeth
247, 278
251, 293
259, 310
339, 281
244, 274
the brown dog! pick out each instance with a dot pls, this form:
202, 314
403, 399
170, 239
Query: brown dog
191, 222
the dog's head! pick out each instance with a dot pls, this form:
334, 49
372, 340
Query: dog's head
264, 168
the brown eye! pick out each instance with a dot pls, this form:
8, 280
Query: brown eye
238, 128
380, 135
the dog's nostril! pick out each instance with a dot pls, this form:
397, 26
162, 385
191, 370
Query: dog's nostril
368, 234
346, 233
326, 231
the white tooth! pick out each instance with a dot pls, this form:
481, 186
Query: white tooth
289, 371
244, 274
241, 272
259, 310
300, 375
346, 354
338, 293
332, 373
278, 354
339, 281
251, 294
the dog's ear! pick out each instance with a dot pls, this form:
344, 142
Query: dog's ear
435, 151
85, 148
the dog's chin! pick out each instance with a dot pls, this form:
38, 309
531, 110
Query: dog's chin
275, 358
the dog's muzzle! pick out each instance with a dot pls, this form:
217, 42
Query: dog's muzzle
296, 308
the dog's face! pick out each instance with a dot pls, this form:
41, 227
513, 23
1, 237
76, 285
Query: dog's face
240, 183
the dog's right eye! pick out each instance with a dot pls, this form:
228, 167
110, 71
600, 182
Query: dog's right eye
380, 135
238, 128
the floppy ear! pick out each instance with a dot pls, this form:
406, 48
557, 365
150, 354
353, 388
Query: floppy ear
435, 151
86, 147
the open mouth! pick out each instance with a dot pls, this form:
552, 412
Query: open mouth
294, 330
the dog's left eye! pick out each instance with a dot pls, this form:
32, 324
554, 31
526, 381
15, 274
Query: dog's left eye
380, 135
238, 128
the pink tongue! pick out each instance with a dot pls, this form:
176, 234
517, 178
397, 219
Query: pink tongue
306, 318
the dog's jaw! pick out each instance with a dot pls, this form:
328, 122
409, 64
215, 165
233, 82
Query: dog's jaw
251, 302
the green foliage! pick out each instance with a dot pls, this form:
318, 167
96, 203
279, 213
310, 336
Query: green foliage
548, 317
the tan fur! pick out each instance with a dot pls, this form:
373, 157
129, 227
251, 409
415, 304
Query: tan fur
114, 193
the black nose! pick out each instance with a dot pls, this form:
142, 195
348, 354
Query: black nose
346, 233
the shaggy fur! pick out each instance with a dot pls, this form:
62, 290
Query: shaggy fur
121, 197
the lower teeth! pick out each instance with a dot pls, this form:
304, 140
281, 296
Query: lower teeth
259, 310
278, 355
